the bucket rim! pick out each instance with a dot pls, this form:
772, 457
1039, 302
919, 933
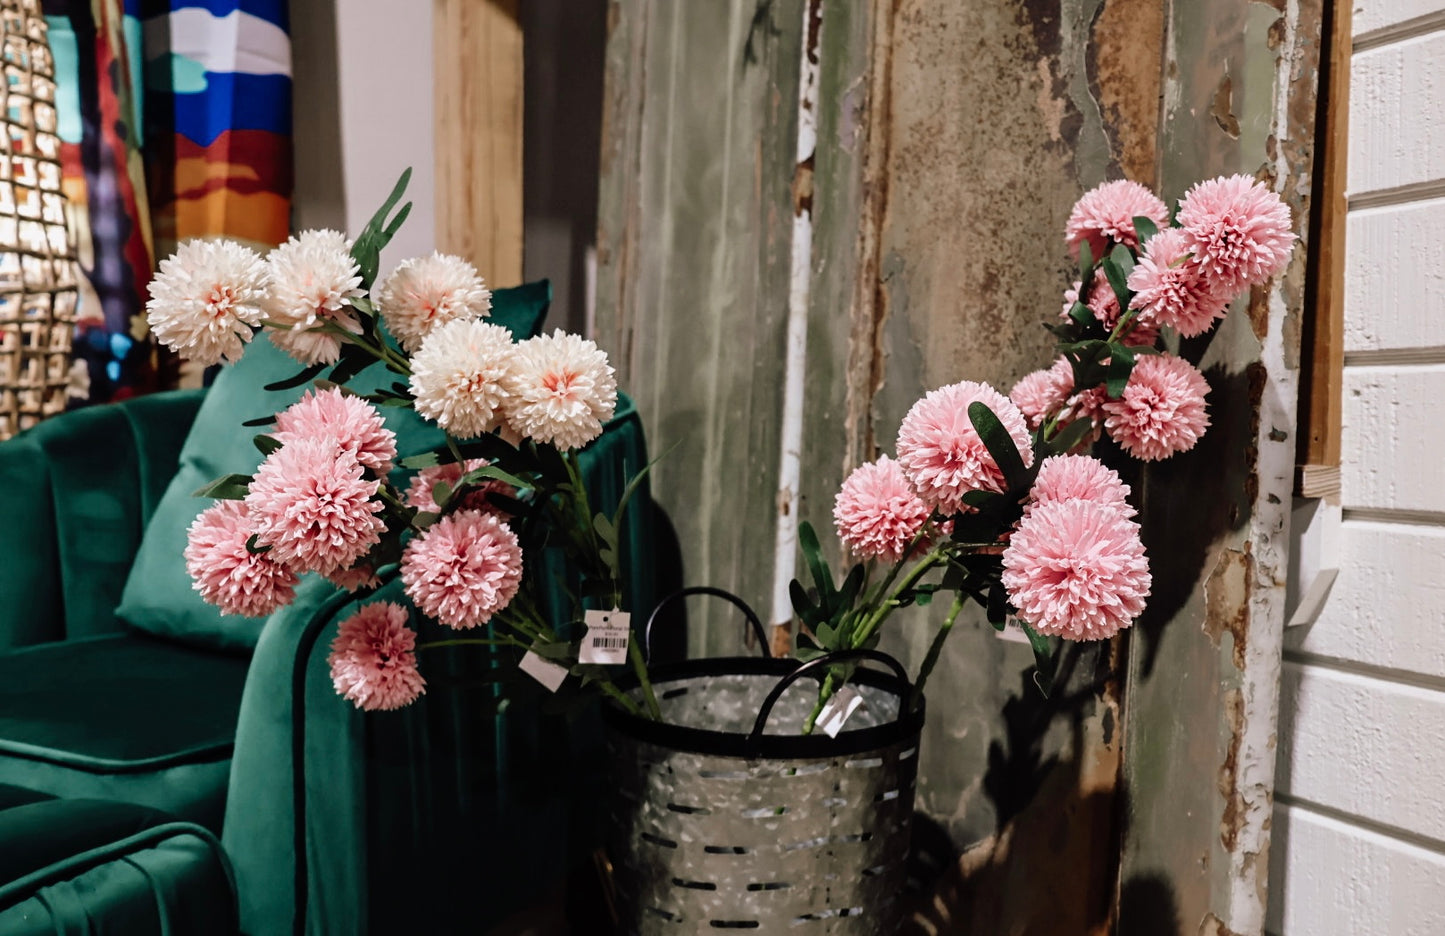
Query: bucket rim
741, 744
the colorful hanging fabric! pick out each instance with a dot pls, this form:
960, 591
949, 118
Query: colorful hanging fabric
218, 119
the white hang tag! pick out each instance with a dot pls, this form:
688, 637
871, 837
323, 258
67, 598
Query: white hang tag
543, 670
844, 703
1013, 632
608, 634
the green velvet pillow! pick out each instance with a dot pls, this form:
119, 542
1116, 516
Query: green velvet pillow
158, 596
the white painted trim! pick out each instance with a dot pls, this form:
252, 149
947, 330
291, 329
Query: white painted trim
785, 549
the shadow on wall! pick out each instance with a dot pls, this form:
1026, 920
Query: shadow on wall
316, 138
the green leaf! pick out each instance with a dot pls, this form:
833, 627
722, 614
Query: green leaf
1081, 313
635, 483
424, 460
605, 530
852, 585
254, 547
813, 553
1086, 260
802, 604
259, 421
1121, 365
1070, 436
1123, 259
495, 474
395, 225
441, 492
999, 444
353, 360
1145, 229
265, 444
230, 487
1044, 660
297, 380
1118, 279
997, 603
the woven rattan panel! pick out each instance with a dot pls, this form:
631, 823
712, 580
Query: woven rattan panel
37, 259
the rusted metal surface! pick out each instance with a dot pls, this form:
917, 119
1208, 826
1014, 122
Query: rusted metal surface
1202, 697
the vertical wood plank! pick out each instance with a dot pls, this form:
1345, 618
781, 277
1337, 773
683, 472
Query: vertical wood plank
1204, 662
1322, 340
477, 69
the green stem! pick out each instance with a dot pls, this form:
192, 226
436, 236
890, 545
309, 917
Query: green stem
622, 699
472, 642
825, 692
639, 666
937, 647
875, 620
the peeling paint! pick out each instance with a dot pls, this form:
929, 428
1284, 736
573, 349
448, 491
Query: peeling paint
1211, 925
1226, 601
1223, 108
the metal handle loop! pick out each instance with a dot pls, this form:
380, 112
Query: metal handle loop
828, 659
726, 595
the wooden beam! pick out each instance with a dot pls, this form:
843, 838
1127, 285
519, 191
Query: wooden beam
477, 75
1323, 352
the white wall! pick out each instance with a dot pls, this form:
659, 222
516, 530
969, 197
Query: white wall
1359, 826
363, 113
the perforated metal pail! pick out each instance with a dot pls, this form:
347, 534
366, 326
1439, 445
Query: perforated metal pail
723, 816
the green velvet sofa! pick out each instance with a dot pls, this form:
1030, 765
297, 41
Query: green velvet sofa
117, 685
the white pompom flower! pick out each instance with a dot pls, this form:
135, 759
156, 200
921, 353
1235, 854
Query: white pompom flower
460, 376
313, 280
426, 292
207, 299
561, 390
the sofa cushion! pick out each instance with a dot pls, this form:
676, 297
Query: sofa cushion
95, 866
124, 717
158, 595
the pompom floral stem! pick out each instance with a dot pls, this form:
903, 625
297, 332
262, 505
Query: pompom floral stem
936, 647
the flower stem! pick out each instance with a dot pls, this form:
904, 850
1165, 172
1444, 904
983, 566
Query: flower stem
825, 692
472, 642
874, 620
936, 647
639, 666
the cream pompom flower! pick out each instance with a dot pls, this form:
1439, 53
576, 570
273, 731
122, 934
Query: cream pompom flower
313, 280
313, 506
561, 390
355, 425
876, 513
941, 452
226, 573
426, 292
460, 376
1106, 213
1237, 230
1076, 569
373, 658
206, 300
1161, 411
465, 568
1171, 289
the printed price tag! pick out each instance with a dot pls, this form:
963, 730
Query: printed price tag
844, 703
1013, 632
543, 670
608, 633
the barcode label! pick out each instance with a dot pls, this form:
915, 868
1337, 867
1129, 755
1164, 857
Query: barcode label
608, 636
1012, 632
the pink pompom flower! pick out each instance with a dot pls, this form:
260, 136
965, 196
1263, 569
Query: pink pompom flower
361, 575
1079, 477
1104, 303
1106, 215
355, 425
226, 573
1076, 569
941, 453
373, 659
312, 505
1039, 394
1237, 230
420, 492
876, 513
1171, 289
465, 568
1161, 411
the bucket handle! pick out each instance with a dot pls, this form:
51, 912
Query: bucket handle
828, 659
722, 593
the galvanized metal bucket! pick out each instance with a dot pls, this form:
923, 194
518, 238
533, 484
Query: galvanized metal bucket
724, 816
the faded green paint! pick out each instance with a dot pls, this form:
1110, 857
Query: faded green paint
695, 223
1203, 665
